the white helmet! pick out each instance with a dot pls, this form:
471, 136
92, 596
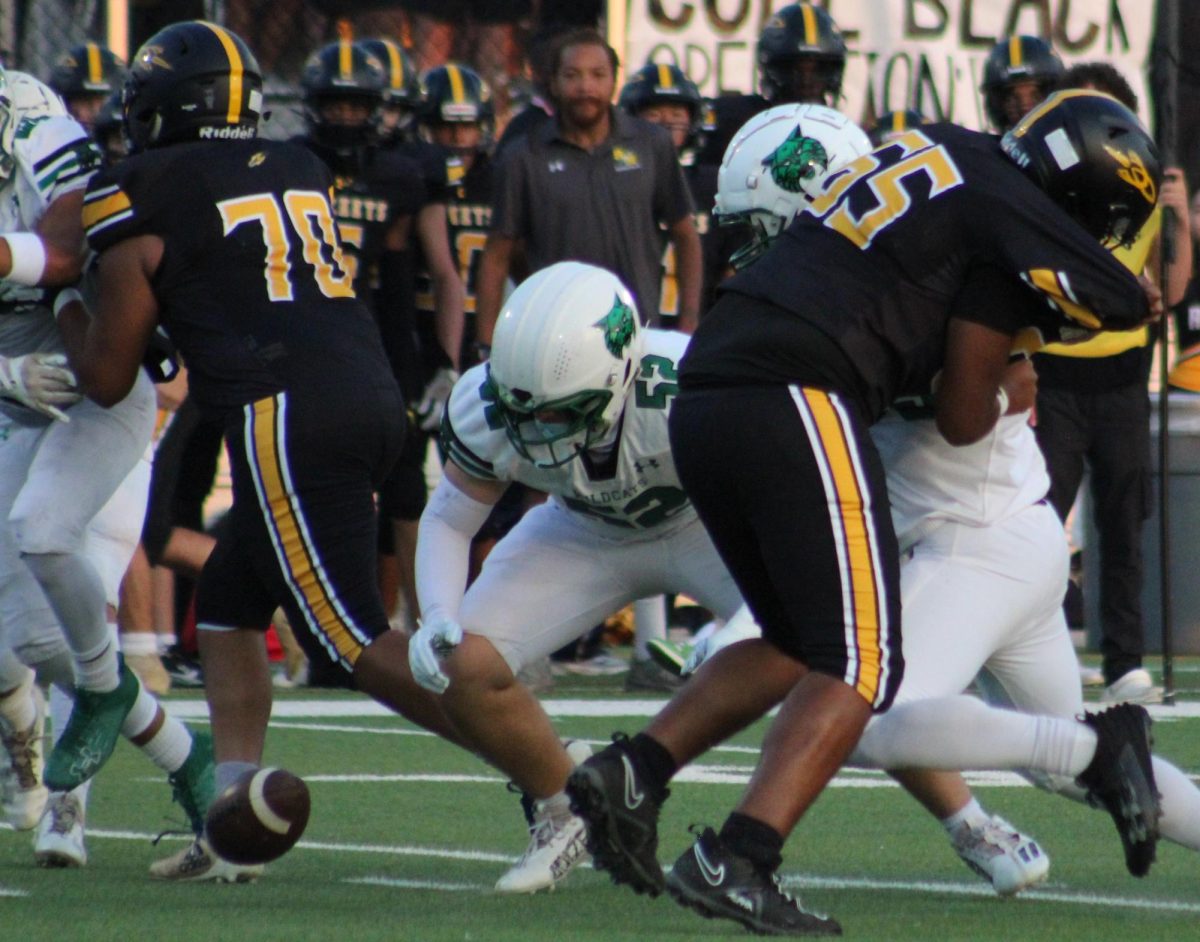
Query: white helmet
22, 96
777, 158
564, 352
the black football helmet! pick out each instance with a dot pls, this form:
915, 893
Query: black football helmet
796, 35
403, 87
1093, 157
455, 94
108, 131
892, 124
658, 83
337, 72
192, 81
90, 69
1017, 59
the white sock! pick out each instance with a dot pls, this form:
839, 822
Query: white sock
139, 642
169, 747
649, 623
140, 715
964, 733
972, 813
61, 704
166, 641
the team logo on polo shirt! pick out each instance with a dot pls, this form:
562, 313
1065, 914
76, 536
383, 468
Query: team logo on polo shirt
625, 159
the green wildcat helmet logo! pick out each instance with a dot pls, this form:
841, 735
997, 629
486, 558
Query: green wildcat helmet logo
797, 159
618, 326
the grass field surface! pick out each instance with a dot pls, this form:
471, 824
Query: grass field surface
408, 835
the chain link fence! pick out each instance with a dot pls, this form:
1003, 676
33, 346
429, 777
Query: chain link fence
492, 36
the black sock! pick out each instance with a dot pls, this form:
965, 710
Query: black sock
655, 763
759, 843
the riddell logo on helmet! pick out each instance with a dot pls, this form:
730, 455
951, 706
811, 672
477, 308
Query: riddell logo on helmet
227, 133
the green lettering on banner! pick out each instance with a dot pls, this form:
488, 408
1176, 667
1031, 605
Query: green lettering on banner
914, 30
1064, 42
1041, 7
723, 47
661, 17
926, 85
1116, 22
723, 24
967, 37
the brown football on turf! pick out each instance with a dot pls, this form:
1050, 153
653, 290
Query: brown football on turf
259, 817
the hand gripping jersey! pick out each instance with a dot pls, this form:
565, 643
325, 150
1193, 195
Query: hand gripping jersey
632, 490
52, 156
253, 288
935, 224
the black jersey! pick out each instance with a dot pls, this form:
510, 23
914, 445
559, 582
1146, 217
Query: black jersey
253, 287
468, 218
937, 223
369, 196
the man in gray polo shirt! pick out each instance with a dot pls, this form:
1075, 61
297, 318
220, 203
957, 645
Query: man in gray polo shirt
594, 185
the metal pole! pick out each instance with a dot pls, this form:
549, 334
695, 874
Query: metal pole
1167, 95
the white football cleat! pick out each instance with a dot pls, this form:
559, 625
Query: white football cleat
197, 862
1002, 855
22, 760
59, 838
557, 845
1135, 686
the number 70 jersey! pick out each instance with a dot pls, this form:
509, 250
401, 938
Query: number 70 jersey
253, 287
632, 490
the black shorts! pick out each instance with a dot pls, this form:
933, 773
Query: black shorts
792, 491
403, 493
302, 524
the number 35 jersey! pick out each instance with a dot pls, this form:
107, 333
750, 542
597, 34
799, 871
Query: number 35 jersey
253, 287
633, 488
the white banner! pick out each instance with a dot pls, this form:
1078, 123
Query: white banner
924, 54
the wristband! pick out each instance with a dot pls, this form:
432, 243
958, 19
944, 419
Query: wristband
65, 297
28, 258
1002, 401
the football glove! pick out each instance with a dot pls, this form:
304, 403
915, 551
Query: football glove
434, 640
40, 381
428, 411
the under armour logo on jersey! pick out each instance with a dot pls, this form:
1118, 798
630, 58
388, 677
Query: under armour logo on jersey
640, 466
556, 166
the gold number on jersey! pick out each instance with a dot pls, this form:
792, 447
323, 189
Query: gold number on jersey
469, 244
312, 220
352, 237
306, 207
888, 184
263, 209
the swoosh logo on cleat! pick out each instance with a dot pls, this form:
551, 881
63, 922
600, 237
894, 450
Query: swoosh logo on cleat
714, 876
634, 796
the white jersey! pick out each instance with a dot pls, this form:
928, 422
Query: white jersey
53, 156
634, 489
930, 480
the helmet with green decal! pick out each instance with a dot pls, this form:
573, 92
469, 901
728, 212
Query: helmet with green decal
564, 354
775, 160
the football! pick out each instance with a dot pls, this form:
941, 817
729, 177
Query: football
259, 817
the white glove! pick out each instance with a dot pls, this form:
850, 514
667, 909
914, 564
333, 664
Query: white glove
40, 381
434, 640
428, 412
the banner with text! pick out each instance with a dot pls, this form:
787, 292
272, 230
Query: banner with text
923, 54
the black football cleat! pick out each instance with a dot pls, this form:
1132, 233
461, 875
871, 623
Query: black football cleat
718, 884
621, 817
1120, 779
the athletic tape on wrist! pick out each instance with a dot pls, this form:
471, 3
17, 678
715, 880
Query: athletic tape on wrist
28, 258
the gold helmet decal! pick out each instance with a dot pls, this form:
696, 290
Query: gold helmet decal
1133, 172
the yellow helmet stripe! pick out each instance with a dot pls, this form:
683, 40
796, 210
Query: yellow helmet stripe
93, 64
1050, 104
457, 92
664, 76
345, 59
1014, 50
395, 65
235, 72
812, 35
898, 121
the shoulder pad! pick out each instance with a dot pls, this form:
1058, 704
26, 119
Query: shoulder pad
55, 152
472, 435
